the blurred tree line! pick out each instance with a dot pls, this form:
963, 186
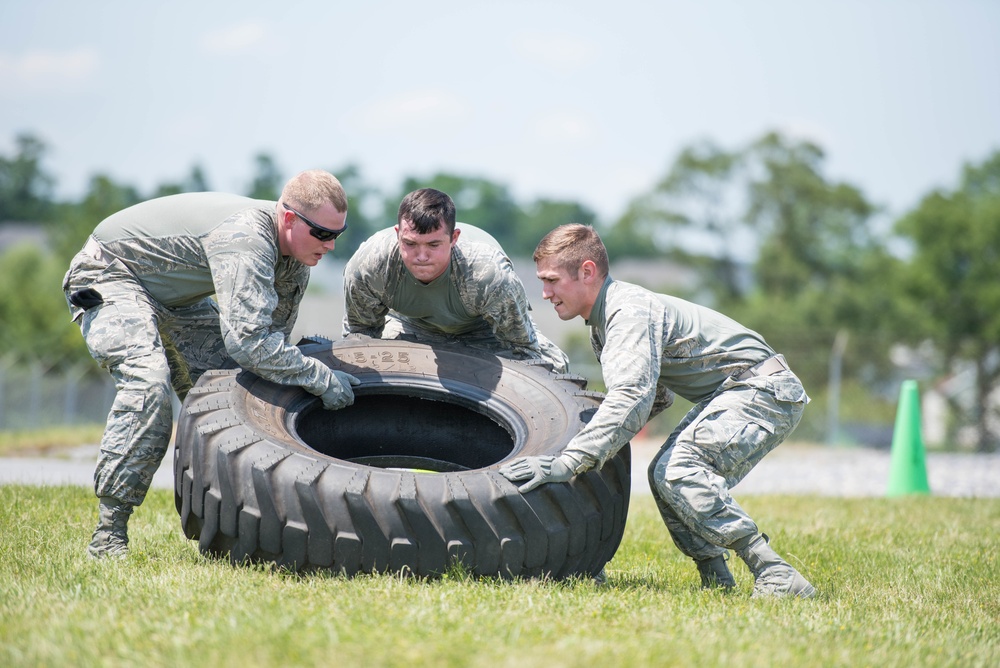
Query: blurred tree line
822, 272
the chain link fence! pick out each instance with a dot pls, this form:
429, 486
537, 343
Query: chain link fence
36, 394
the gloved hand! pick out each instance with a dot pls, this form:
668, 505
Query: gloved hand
537, 470
339, 394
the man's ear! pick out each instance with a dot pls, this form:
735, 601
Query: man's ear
286, 216
454, 236
588, 270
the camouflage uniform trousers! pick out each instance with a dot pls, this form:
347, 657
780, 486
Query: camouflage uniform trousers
714, 447
148, 349
482, 339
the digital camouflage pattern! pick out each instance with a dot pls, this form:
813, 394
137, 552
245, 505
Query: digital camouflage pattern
652, 345
156, 265
479, 300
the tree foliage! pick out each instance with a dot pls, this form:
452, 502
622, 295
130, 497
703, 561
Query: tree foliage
267, 180
816, 253
950, 286
35, 319
539, 217
692, 214
25, 187
775, 243
364, 213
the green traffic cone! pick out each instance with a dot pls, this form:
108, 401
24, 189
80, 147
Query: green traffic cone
908, 469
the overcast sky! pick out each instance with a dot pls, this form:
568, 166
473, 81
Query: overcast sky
584, 100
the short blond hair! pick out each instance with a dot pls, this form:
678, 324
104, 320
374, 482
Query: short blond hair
569, 246
313, 188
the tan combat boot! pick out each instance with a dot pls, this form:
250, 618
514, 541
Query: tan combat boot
773, 576
715, 573
111, 535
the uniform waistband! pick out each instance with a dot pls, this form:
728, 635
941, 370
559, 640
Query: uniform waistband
768, 367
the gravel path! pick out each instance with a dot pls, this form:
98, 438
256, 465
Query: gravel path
791, 469
847, 472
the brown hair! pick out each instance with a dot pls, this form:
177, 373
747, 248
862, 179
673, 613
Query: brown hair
570, 246
428, 209
313, 188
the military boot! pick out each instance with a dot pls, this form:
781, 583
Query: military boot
715, 573
773, 576
111, 535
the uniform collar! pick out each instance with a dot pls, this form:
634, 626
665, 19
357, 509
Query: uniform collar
597, 310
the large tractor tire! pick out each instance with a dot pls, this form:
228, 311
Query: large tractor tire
406, 478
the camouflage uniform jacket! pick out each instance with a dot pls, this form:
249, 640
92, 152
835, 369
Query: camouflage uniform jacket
651, 346
483, 292
183, 248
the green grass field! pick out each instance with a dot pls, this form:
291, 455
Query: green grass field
903, 582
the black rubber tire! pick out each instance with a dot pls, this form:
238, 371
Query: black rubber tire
405, 479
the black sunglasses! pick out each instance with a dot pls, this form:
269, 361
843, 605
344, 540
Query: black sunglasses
318, 231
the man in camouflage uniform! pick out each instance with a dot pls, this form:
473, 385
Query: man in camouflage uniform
417, 281
140, 291
650, 346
